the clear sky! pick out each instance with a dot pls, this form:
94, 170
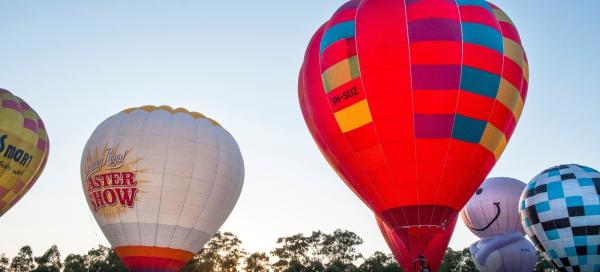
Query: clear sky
78, 62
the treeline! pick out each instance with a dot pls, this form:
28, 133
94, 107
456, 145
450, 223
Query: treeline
317, 252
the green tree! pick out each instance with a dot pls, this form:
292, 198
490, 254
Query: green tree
452, 260
301, 253
458, 261
318, 252
223, 253
114, 262
75, 263
379, 262
293, 252
340, 266
467, 265
542, 264
103, 259
95, 260
4, 263
23, 262
340, 250
257, 262
294, 266
314, 266
50, 261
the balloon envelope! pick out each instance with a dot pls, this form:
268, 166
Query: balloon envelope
160, 182
560, 211
23, 149
435, 249
494, 208
412, 103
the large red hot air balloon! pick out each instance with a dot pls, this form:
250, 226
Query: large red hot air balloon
403, 255
412, 102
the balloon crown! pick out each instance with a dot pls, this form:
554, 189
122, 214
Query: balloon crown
565, 166
151, 108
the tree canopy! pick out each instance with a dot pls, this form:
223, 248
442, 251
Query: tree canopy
314, 252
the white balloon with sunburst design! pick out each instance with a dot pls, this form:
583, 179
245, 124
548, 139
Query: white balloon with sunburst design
160, 182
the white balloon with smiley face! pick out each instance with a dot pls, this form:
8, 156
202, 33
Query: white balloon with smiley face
493, 210
493, 215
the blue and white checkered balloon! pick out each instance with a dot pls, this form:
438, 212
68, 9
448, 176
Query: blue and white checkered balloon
560, 211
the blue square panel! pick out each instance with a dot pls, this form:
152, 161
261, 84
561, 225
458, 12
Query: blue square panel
592, 210
574, 201
583, 182
542, 207
552, 234
555, 190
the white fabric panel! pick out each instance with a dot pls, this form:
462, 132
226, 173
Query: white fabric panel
481, 210
516, 257
189, 175
108, 130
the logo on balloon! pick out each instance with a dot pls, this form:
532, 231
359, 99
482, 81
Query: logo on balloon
12, 157
111, 181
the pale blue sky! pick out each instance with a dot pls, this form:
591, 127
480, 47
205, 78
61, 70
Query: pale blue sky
78, 62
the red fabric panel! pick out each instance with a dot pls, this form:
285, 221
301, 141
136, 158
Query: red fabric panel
435, 52
475, 106
354, 92
483, 58
425, 9
512, 72
478, 15
387, 86
509, 31
524, 89
337, 52
435, 102
343, 15
501, 117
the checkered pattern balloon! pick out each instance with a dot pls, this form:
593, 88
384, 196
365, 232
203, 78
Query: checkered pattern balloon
560, 211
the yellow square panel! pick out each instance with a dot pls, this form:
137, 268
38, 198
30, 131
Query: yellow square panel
502, 16
11, 120
354, 116
493, 140
513, 51
509, 96
9, 197
526, 70
340, 73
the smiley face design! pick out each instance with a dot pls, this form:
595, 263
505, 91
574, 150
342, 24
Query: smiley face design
493, 209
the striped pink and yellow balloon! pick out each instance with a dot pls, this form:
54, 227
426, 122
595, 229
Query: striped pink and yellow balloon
23, 149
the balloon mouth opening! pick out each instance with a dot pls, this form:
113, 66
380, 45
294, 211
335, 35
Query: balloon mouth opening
420, 263
417, 226
432, 217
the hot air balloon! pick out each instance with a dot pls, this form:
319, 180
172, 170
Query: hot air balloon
23, 149
412, 103
160, 182
493, 215
560, 211
405, 258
